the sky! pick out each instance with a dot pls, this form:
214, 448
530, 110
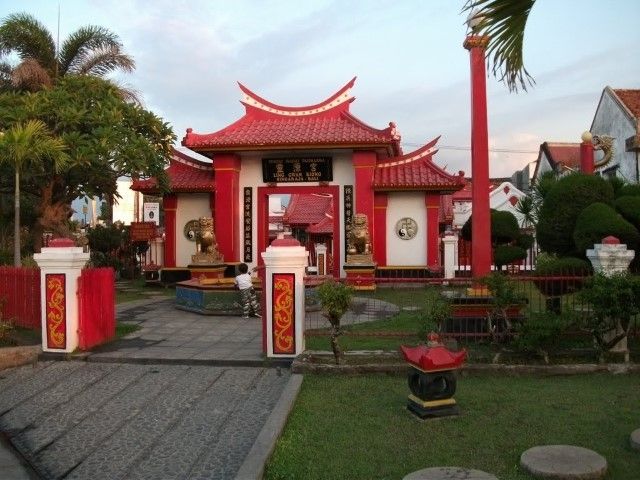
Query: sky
407, 55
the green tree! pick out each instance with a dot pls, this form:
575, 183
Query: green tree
504, 21
90, 50
106, 137
29, 145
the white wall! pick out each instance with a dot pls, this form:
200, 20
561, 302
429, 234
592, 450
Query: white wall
611, 120
191, 206
123, 210
406, 252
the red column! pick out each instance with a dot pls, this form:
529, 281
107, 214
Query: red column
227, 207
380, 232
364, 164
481, 226
432, 201
586, 156
170, 205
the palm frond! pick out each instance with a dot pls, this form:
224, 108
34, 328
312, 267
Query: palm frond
23, 34
31, 142
105, 60
83, 45
504, 22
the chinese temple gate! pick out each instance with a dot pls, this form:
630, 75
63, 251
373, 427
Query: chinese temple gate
320, 149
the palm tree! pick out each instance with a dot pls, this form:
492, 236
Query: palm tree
90, 50
27, 145
504, 22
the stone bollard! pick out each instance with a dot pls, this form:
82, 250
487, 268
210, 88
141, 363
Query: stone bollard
60, 266
285, 261
450, 241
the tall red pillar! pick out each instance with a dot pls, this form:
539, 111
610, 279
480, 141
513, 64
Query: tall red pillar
170, 205
586, 154
380, 201
227, 205
481, 225
432, 201
364, 164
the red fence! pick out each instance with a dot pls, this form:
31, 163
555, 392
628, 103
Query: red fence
20, 296
96, 307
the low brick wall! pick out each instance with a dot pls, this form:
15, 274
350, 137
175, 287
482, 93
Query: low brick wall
15, 356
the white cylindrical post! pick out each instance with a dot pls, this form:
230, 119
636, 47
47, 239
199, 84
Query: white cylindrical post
60, 266
285, 261
450, 241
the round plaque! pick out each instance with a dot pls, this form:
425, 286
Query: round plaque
191, 229
406, 228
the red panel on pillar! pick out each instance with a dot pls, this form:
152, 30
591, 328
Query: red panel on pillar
586, 158
380, 232
170, 205
364, 164
55, 301
432, 201
227, 205
283, 325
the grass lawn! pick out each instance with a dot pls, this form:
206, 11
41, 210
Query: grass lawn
131, 290
353, 428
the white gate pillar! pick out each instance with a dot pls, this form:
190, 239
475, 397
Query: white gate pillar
60, 266
285, 261
450, 241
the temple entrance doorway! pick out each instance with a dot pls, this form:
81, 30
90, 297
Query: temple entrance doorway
323, 228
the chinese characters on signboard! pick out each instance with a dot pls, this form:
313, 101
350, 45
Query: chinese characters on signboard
286, 170
248, 205
348, 213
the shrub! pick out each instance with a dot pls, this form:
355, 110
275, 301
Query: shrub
631, 189
435, 311
506, 254
614, 300
541, 333
552, 266
562, 205
335, 298
629, 208
504, 227
600, 220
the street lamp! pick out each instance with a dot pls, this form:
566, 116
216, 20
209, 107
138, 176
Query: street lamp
481, 224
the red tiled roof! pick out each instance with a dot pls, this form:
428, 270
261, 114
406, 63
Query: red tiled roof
185, 174
324, 226
445, 213
567, 154
266, 125
307, 209
416, 171
631, 99
465, 193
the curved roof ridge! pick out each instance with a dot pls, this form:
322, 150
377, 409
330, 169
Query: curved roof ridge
341, 98
426, 150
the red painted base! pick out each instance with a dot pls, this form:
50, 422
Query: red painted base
481, 310
361, 277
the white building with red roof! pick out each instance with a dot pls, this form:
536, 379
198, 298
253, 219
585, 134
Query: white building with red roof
321, 150
618, 115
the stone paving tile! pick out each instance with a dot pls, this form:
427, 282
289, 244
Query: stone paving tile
28, 411
11, 376
89, 401
177, 451
123, 450
35, 384
222, 459
77, 443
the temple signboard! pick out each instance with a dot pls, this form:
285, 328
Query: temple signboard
143, 231
287, 170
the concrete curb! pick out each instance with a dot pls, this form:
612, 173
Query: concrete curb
253, 465
16, 356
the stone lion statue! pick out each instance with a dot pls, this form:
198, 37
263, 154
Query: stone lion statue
207, 238
359, 241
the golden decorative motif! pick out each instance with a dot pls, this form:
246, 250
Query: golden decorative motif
476, 41
55, 311
283, 316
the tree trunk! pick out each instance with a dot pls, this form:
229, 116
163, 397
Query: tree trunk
52, 216
17, 262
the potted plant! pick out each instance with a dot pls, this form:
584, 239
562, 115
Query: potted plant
335, 298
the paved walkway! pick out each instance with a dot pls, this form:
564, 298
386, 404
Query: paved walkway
186, 396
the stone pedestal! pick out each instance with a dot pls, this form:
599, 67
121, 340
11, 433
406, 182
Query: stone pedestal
361, 276
610, 256
450, 242
60, 266
285, 261
201, 270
